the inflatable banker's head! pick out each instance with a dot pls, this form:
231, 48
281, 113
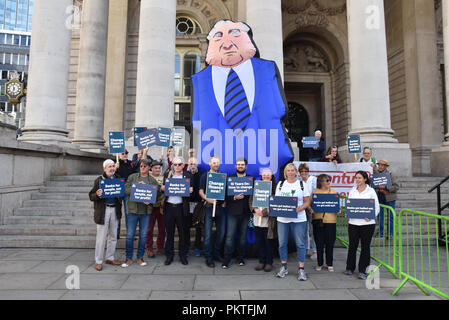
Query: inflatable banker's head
230, 44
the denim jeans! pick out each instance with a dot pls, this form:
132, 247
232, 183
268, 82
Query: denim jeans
213, 250
133, 219
389, 219
125, 211
298, 230
239, 224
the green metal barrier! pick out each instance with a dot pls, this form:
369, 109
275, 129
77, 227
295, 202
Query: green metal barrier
419, 257
384, 244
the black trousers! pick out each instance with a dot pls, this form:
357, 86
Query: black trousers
357, 234
266, 246
325, 240
174, 218
187, 224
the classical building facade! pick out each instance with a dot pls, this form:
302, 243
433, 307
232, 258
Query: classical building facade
371, 67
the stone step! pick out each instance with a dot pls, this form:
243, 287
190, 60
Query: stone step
75, 178
50, 230
71, 183
53, 211
59, 203
38, 221
84, 190
60, 196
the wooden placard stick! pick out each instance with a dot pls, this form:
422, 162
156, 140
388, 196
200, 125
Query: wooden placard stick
213, 210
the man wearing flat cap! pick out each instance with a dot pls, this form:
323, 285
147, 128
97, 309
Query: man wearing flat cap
107, 213
387, 196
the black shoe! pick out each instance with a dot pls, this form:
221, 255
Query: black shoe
210, 263
168, 261
184, 261
226, 264
241, 262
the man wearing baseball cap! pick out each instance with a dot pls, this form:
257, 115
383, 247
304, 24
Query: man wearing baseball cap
387, 196
106, 214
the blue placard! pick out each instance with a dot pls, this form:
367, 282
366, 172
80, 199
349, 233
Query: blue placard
143, 193
284, 207
112, 188
380, 179
147, 138
261, 194
116, 142
360, 209
329, 203
163, 137
240, 185
353, 142
216, 186
177, 187
178, 137
138, 130
310, 142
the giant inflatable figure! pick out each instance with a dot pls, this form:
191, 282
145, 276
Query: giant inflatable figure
239, 104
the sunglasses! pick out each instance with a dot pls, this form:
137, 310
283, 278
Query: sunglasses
177, 164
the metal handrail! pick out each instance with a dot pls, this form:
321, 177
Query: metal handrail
439, 184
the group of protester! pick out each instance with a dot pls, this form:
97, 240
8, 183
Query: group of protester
310, 230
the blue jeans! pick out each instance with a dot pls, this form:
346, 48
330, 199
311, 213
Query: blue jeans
125, 210
239, 223
298, 230
213, 250
389, 219
133, 219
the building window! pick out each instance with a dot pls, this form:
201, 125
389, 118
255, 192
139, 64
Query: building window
3, 106
187, 63
186, 26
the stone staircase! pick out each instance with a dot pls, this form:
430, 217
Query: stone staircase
60, 215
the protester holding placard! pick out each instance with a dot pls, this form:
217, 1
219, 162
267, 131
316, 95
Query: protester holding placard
106, 214
238, 218
124, 169
292, 187
361, 230
177, 213
310, 182
331, 155
387, 195
167, 160
157, 214
324, 226
212, 251
265, 227
195, 199
141, 154
139, 213
316, 153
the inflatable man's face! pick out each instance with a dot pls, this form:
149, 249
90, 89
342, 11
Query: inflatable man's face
229, 45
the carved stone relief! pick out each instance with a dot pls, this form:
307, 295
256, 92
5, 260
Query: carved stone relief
304, 57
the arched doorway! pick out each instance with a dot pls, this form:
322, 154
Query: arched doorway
297, 125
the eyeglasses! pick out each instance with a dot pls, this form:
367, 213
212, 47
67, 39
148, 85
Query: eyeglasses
177, 164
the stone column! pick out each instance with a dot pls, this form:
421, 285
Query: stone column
265, 19
370, 97
46, 111
156, 64
90, 88
116, 66
440, 156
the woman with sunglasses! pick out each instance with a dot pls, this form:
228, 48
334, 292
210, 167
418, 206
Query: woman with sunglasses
332, 155
324, 226
361, 230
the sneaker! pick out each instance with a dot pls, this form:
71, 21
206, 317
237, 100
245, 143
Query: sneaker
348, 273
197, 252
362, 276
141, 262
282, 273
313, 257
151, 254
302, 276
330, 269
318, 268
226, 264
241, 262
126, 263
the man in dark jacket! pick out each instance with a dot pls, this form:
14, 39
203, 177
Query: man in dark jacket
238, 218
194, 199
125, 169
176, 213
106, 214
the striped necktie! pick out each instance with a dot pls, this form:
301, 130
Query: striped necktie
236, 106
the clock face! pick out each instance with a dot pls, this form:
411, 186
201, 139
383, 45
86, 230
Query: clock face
13, 89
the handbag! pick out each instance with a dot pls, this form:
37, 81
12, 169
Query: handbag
198, 214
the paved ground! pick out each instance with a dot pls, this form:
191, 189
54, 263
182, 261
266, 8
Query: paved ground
40, 274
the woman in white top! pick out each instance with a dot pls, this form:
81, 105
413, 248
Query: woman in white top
361, 229
292, 187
